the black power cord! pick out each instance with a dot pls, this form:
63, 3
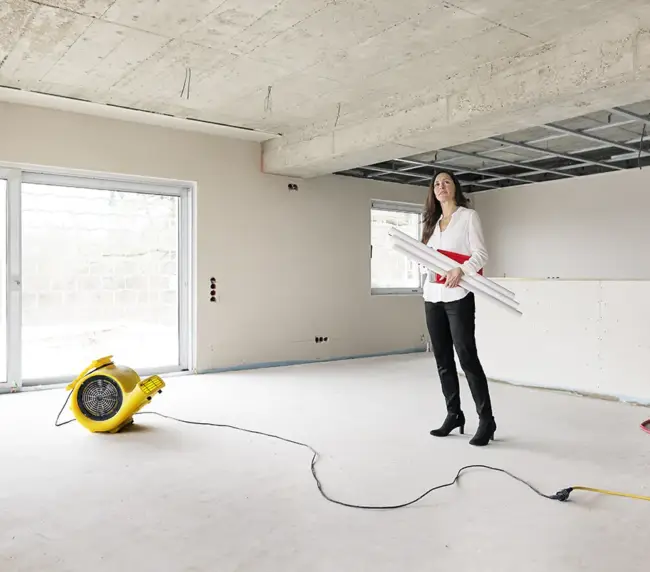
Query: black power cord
316, 456
56, 422
562, 495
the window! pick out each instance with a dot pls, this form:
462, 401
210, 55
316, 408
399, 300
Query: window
102, 267
391, 272
100, 276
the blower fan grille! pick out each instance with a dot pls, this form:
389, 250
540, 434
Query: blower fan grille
99, 398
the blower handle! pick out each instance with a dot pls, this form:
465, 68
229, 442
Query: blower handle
94, 366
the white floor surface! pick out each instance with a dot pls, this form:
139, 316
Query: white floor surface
164, 496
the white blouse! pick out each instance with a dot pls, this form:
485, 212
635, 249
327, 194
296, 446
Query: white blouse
463, 235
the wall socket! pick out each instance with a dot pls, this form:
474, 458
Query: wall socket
213, 290
320, 339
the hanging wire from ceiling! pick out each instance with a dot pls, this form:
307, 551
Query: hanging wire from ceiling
641, 146
268, 101
186, 83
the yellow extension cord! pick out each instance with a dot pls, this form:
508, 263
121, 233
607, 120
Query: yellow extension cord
564, 495
612, 493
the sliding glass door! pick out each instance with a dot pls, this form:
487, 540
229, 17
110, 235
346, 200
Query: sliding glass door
104, 269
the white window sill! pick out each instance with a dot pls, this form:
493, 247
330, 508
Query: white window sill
396, 291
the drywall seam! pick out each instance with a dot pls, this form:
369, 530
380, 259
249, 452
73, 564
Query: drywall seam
631, 400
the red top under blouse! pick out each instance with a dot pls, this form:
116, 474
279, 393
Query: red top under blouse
460, 258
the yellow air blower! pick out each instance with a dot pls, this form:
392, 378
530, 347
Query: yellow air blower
105, 396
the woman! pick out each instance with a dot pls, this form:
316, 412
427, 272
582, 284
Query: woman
450, 309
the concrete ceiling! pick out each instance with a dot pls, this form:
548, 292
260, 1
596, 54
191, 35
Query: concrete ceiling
344, 82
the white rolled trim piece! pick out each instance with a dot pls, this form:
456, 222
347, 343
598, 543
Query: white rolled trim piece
467, 282
447, 263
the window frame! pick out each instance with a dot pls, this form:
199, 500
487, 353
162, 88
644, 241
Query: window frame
16, 175
399, 207
13, 315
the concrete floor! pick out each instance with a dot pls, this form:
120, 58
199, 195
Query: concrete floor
166, 496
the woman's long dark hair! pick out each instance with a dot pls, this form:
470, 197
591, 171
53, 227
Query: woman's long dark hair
433, 208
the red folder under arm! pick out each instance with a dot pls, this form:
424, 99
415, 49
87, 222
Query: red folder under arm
460, 258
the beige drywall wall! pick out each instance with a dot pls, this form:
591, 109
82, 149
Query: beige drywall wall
289, 265
592, 227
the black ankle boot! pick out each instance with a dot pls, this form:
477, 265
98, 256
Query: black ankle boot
484, 433
452, 421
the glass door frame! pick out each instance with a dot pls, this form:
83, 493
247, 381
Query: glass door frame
184, 190
13, 300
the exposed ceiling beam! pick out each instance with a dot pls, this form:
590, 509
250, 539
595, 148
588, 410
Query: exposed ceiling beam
549, 152
535, 170
590, 137
601, 127
556, 135
383, 171
631, 115
480, 184
458, 170
380, 172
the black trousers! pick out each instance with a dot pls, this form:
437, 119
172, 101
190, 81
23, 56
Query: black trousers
452, 325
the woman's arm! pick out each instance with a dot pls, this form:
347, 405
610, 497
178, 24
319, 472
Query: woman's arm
479, 254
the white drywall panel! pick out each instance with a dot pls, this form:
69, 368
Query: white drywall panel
625, 338
586, 336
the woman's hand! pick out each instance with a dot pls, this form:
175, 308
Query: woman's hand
453, 278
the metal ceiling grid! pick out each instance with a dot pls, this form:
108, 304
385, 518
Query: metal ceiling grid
599, 142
